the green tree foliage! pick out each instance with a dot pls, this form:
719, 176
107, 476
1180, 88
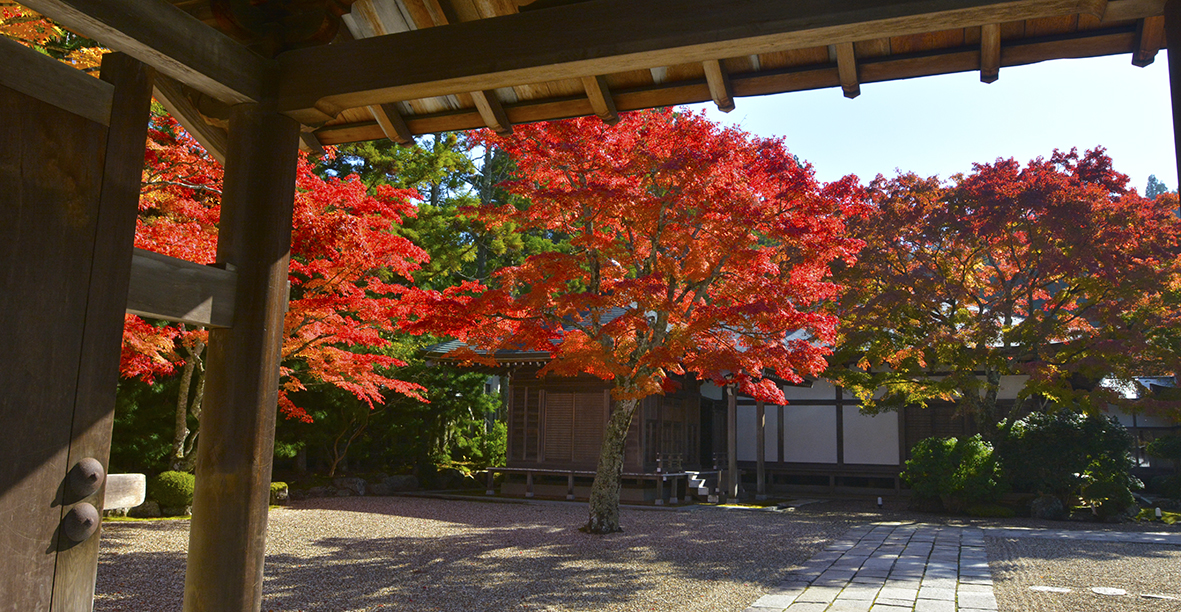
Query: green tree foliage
1154, 187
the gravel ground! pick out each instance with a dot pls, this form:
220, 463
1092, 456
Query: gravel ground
1138, 569
402, 553
422, 554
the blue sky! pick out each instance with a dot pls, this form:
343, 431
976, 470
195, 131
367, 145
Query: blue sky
941, 125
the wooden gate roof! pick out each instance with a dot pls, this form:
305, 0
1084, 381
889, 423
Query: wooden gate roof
397, 68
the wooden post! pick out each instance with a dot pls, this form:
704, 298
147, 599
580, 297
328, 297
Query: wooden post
570, 485
732, 442
529, 484
491, 490
228, 534
761, 449
1173, 38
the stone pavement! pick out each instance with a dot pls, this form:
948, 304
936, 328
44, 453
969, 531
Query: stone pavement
907, 567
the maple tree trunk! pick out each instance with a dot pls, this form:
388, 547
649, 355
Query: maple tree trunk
184, 439
604, 495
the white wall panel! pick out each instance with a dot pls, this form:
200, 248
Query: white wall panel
870, 439
810, 434
746, 433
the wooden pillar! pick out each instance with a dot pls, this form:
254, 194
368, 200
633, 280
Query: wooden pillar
761, 449
228, 533
1173, 38
732, 442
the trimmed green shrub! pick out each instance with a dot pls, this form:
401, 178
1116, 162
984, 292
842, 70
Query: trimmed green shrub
172, 489
1108, 498
1057, 454
279, 493
959, 473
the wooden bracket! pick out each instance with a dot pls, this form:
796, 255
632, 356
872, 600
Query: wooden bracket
600, 98
719, 85
392, 124
173, 289
492, 111
847, 69
990, 52
1150, 38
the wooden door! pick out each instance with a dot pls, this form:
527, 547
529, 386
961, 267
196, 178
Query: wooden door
71, 153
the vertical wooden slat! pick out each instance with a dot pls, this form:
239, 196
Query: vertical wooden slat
228, 533
847, 70
110, 273
719, 85
840, 426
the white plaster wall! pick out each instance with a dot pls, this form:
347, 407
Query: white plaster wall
711, 391
771, 434
870, 439
809, 434
746, 433
820, 389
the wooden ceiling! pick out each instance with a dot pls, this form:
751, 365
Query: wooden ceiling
399, 68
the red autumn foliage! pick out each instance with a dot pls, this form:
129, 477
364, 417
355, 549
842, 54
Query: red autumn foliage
694, 249
346, 268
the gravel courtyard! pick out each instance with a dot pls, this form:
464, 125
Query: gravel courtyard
420, 554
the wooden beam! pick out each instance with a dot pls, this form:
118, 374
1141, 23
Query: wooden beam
1126, 10
492, 112
719, 85
599, 95
171, 93
1150, 37
172, 289
169, 39
732, 475
760, 450
847, 69
39, 76
609, 36
227, 538
392, 124
94, 406
990, 52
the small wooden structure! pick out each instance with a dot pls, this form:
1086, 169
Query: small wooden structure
255, 79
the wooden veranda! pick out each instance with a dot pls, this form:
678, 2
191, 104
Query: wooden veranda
255, 79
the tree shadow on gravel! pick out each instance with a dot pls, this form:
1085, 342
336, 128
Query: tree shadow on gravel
436, 555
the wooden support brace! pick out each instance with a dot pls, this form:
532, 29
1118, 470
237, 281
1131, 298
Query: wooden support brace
719, 85
1150, 38
310, 144
847, 69
392, 124
173, 289
990, 52
492, 112
600, 98
171, 93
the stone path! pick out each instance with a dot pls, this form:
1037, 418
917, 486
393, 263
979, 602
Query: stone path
895, 567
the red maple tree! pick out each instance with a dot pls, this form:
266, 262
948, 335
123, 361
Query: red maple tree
1053, 270
347, 269
694, 249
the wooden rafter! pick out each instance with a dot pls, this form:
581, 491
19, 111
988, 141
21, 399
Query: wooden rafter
492, 111
169, 39
173, 289
719, 85
393, 125
1150, 39
310, 144
599, 95
871, 70
608, 36
990, 52
847, 69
